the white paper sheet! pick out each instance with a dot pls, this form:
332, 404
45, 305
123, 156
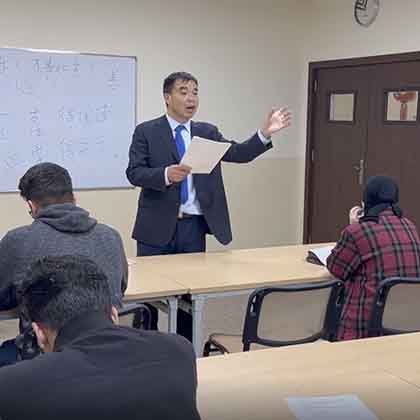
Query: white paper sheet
343, 407
203, 155
322, 253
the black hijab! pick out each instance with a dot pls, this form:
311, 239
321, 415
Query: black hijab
380, 193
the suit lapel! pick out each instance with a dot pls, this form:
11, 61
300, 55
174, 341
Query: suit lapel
196, 178
193, 130
167, 136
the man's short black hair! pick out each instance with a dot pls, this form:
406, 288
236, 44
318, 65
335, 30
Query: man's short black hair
59, 289
46, 183
169, 82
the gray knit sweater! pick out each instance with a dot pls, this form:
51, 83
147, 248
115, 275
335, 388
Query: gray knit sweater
61, 229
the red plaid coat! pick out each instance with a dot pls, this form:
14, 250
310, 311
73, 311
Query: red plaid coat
365, 254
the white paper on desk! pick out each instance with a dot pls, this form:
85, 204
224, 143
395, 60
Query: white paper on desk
343, 407
322, 253
203, 155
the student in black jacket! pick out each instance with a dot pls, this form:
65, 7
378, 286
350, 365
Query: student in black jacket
93, 369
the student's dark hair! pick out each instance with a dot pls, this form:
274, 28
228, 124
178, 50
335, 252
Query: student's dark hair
59, 289
169, 82
46, 183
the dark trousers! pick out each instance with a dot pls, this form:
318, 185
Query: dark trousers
190, 236
8, 353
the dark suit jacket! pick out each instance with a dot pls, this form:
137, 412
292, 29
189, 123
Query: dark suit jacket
152, 150
100, 371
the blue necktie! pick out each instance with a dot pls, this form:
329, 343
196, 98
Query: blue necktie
180, 145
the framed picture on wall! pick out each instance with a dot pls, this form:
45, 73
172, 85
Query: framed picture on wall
401, 106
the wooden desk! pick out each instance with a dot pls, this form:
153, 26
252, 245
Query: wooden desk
241, 271
12, 314
219, 274
255, 384
150, 281
150, 286
145, 287
216, 274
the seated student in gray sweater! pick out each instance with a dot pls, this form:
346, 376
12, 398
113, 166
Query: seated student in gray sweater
93, 369
59, 227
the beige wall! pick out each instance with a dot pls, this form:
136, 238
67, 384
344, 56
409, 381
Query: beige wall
243, 53
333, 32
247, 55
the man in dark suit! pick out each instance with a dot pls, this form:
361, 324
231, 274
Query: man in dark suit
93, 369
176, 209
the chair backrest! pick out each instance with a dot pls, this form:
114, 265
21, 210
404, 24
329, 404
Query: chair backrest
293, 314
396, 308
136, 315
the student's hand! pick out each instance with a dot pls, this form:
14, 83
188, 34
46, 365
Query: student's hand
177, 173
276, 120
355, 214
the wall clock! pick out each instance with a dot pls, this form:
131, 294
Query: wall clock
365, 11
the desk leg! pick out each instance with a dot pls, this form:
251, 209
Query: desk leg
172, 314
197, 314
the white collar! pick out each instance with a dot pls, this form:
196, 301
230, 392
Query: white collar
174, 124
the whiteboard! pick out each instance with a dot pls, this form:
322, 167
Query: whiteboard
76, 110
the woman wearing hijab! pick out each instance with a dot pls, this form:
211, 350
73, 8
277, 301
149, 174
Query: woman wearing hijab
378, 243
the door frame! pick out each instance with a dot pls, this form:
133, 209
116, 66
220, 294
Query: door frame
314, 68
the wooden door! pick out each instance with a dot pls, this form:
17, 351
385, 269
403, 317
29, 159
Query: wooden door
393, 143
340, 121
382, 137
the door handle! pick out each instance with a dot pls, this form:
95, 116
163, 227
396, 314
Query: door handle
360, 170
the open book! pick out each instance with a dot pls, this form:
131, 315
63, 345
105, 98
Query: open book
319, 255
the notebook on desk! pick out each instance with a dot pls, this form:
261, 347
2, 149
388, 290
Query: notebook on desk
319, 255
